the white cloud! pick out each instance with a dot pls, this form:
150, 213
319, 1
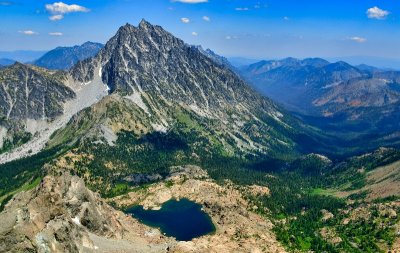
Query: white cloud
3, 3
58, 10
229, 37
185, 20
56, 34
206, 18
377, 13
358, 39
242, 9
62, 8
56, 17
28, 32
191, 1
195, 33
286, 18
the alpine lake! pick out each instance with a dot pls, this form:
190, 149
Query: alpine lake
183, 219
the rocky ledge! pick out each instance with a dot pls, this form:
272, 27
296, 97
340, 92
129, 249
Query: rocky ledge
62, 215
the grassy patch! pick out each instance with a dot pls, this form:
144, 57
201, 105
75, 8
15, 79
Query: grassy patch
325, 192
26, 187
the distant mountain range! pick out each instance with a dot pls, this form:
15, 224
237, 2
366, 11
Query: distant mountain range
216, 58
334, 96
6, 62
380, 62
239, 62
66, 57
60, 58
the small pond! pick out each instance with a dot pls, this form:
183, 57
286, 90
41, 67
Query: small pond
181, 219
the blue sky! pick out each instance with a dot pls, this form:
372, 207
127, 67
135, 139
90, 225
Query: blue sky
249, 28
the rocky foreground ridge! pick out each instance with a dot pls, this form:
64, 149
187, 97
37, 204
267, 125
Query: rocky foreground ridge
62, 215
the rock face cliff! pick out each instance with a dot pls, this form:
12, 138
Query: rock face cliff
35, 102
149, 59
27, 92
29, 95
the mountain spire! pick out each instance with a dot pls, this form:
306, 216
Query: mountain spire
144, 24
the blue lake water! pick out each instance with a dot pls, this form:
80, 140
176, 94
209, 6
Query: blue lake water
182, 219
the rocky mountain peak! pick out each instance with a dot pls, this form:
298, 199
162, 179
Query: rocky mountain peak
159, 72
19, 65
144, 30
144, 24
149, 59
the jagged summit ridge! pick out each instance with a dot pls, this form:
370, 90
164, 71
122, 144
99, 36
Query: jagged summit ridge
149, 59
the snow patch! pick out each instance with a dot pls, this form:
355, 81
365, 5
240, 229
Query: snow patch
77, 221
277, 116
159, 128
331, 85
107, 88
385, 80
100, 71
3, 133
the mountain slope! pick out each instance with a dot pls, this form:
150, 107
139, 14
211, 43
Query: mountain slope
28, 94
43, 96
217, 58
34, 103
159, 72
66, 57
